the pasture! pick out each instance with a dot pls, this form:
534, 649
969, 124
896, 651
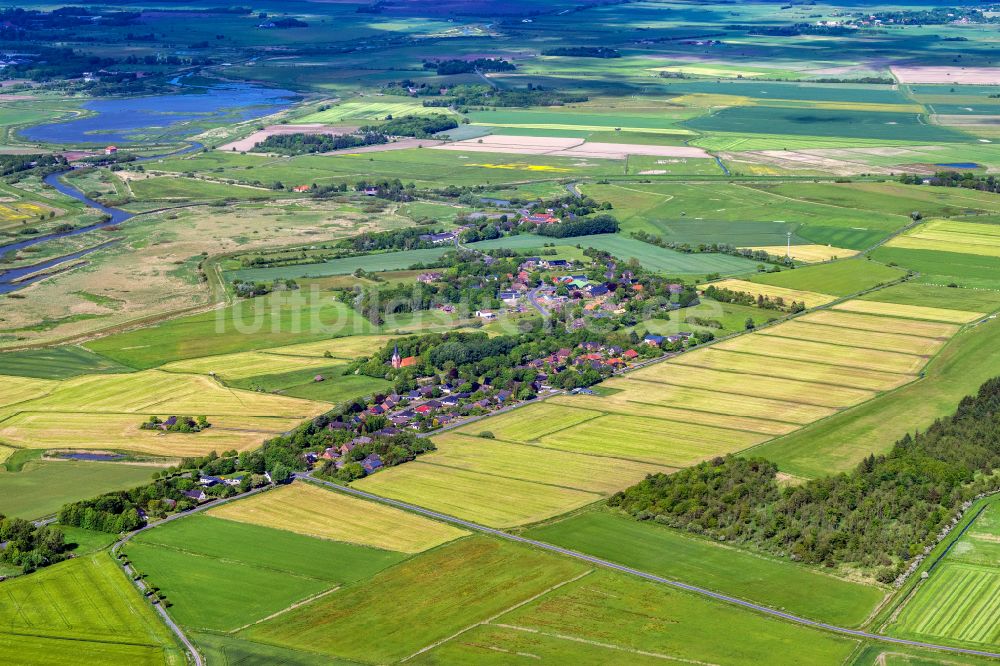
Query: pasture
839, 278
314, 511
84, 606
672, 624
245, 365
945, 298
660, 550
221, 575
412, 606
959, 602
936, 267
40, 488
56, 363
370, 111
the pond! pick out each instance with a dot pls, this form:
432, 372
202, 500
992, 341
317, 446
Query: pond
163, 118
959, 165
91, 457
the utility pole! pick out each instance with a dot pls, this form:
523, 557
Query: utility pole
788, 251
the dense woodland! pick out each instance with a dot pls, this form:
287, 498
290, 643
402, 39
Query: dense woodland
303, 144
449, 67
598, 224
30, 546
877, 517
419, 127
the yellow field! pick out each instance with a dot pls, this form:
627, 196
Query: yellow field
774, 388
5, 452
722, 403
533, 463
909, 311
947, 236
157, 392
529, 423
927, 329
246, 364
650, 440
15, 212
308, 509
633, 404
838, 335
348, 348
808, 253
20, 389
819, 352
719, 359
810, 298
60, 430
492, 500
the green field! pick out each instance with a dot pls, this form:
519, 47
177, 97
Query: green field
412, 605
222, 575
958, 603
388, 261
84, 610
840, 278
41, 488
269, 321
652, 257
823, 122
933, 296
972, 271
169, 187
56, 363
775, 583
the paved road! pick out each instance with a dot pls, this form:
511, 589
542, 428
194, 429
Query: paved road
856, 633
533, 300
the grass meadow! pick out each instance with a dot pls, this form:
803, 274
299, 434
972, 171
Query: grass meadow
959, 602
56, 363
660, 550
411, 606
221, 575
84, 611
839, 278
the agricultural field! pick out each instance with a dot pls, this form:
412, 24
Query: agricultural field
950, 236
811, 299
957, 602
84, 609
222, 575
56, 363
839, 278
667, 552
311, 510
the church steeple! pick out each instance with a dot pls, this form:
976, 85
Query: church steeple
397, 360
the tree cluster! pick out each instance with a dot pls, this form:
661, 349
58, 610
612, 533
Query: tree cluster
448, 67
966, 179
419, 127
29, 546
303, 144
583, 52
464, 96
762, 301
598, 224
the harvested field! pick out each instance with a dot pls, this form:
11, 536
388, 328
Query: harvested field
246, 364
650, 440
948, 236
799, 160
492, 500
314, 511
881, 324
631, 404
63, 430
983, 76
819, 352
530, 423
247, 144
808, 253
21, 389
790, 369
909, 311
347, 348
773, 388
838, 335
810, 298
683, 397
536, 464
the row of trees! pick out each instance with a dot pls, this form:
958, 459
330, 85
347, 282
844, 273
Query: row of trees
449, 67
420, 127
877, 517
724, 295
598, 224
966, 179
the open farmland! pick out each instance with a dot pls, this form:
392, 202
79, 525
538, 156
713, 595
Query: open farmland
950, 236
411, 606
314, 511
907, 311
959, 602
87, 604
216, 571
667, 552
811, 299
840, 278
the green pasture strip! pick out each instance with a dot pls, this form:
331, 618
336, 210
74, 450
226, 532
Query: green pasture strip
412, 605
838, 278
660, 550
41, 488
56, 363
